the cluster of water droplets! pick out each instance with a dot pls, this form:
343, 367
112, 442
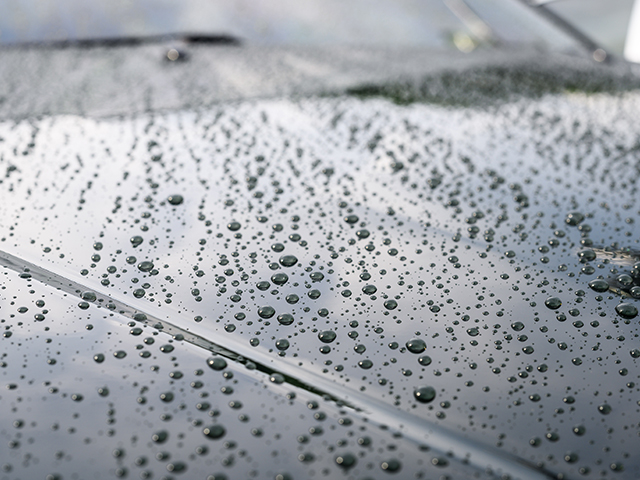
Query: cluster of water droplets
356, 269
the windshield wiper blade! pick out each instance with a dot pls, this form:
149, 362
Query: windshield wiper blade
135, 40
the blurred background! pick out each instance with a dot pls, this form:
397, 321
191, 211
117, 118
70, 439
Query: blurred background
605, 22
396, 22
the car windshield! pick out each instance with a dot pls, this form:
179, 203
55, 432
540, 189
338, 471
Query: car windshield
389, 23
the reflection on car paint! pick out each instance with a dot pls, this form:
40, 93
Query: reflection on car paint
394, 288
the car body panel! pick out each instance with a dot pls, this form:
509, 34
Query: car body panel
465, 209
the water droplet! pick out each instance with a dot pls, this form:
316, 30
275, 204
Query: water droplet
391, 466
416, 345
145, 266
175, 199
574, 218
626, 310
365, 364
599, 285
214, 432
135, 241
217, 363
285, 319
604, 409
425, 360
439, 462
553, 303
160, 437
346, 460
277, 378
279, 278
288, 260
176, 467
625, 280
617, 467
579, 430
390, 304
424, 394
314, 294
586, 256
292, 299
327, 336
369, 289
316, 276
517, 326
103, 391
88, 296
266, 312
166, 397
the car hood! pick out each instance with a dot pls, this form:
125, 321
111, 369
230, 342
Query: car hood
393, 288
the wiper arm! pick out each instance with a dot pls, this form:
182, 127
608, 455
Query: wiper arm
597, 52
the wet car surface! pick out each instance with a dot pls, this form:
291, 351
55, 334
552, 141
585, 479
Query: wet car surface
312, 284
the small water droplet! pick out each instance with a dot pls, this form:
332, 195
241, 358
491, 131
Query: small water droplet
266, 312
217, 363
599, 285
175, 199
327, 336
553, 303
424, 394
145, 266
136, 240
288, 260
214, 432
416, 345
627, 310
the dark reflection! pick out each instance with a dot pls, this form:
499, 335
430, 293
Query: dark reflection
496, 85
626, 279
